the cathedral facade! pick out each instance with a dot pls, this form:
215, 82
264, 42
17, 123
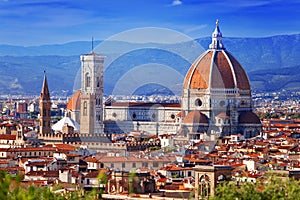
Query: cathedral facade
216, 101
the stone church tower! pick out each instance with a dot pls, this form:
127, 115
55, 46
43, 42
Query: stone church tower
45, 108
91, 103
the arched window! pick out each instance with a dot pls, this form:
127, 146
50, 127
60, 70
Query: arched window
204, 184
87, 80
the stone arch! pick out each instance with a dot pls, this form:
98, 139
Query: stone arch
204, 185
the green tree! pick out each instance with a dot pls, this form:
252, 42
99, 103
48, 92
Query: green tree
102, 178
271, 188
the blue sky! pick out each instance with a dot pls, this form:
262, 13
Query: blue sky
35, 22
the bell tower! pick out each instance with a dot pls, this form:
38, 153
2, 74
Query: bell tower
45, 108
91, 105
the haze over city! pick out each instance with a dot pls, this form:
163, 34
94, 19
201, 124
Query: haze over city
36, 22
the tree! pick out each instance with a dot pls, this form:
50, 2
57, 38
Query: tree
11, 189
102, 178
270, 188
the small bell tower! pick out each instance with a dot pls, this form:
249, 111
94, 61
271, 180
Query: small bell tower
45, 108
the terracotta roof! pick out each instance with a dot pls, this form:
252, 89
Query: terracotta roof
7, 137
92, 159
195, 117
249, 117
3, 149
65, 147
175, 168
73, 155
218, 68
3, 162
222, 115
43, 173
180, 113
94, 174
74, 101
41, 164
31, 149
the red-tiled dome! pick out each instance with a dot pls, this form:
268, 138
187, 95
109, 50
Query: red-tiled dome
195, 117
74, 101
216, 68
249, 117
222, 115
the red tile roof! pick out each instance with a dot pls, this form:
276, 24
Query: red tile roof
45, 174
7, 137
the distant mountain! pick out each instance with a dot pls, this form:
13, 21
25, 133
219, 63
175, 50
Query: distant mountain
24, 74
276, 79
272, 64
67, 49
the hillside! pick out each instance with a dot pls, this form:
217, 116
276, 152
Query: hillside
271, 62
276, 79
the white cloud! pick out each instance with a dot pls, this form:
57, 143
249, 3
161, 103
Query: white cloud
176, 2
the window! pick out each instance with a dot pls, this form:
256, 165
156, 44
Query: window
155, 164
198, 102
189, 173
87, 80
134, 165
123, 165
133, 116
145, 164
85, 108
98, 82
112, 165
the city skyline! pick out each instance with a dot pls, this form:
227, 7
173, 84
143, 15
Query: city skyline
30, 22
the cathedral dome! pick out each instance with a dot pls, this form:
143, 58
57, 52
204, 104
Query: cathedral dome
74, 101
249, 117
216, 68
195, 117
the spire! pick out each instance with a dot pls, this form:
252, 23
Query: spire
45, 95
216, 40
